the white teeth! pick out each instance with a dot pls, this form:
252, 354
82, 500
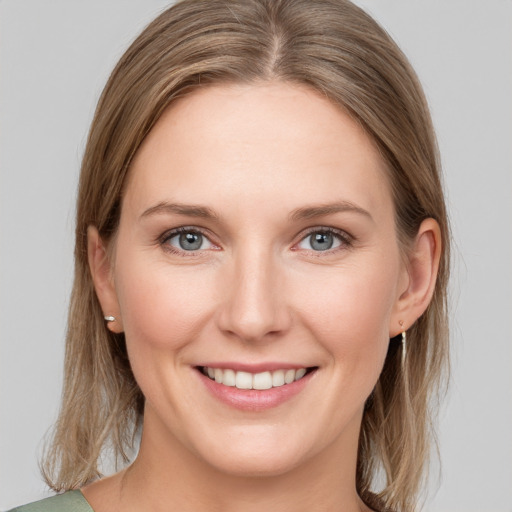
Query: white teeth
246, 380
277, 378
300, 373
289, 376
243, 380
229, 378
262, 380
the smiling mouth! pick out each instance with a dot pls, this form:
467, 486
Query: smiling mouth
258, 381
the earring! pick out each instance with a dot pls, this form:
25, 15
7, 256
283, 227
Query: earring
109, 318
404, 347
404, 343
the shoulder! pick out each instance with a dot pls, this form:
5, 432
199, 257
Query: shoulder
71, 501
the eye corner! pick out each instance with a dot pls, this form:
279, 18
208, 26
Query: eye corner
334, 239
197, 246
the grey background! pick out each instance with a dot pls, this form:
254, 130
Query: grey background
54, 59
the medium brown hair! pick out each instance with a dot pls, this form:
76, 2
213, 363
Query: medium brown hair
335, 48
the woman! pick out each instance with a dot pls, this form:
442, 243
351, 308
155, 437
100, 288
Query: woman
261, 269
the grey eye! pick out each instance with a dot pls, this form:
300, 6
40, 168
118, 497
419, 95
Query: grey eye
320, 241
189, 241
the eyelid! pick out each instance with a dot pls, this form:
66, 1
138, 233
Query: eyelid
345, 238
167, 235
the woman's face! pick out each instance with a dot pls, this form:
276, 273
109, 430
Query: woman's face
257, 243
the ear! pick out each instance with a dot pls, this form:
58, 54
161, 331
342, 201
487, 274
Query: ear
420, 272
101, 272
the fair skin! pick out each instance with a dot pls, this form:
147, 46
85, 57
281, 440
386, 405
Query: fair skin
287, 259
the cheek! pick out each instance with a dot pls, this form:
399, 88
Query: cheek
162, 308
351, 299
349, 312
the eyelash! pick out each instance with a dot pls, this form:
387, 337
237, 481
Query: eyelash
178, 231
346, 240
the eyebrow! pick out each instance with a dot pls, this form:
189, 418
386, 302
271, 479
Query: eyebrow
310, 212
304, 213
190, 210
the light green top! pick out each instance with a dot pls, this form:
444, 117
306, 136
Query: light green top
71, 501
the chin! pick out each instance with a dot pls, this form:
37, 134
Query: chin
256, 466
269, 454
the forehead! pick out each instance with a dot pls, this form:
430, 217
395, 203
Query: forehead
244, 143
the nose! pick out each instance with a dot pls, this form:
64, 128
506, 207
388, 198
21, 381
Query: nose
255, 305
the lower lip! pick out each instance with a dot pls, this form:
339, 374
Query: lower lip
255, 399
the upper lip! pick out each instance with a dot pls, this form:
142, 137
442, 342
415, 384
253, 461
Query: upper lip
253, 367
